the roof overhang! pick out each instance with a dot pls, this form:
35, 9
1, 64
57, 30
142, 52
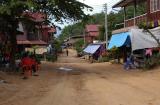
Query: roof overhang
126, 29
28, 42
124, 3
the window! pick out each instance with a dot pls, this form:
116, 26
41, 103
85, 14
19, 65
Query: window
154, 5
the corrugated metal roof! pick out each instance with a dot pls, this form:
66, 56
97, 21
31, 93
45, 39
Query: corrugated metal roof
93, 33
92, 28
91, 49
35, 16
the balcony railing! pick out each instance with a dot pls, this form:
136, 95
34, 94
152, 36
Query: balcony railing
136, 21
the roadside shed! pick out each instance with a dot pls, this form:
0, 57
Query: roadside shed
95, 50
137, 38
134, 40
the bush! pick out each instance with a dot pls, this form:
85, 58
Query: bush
18, 56
78, 45
114, 53
104, 59
51, 58
152, 61
78, 49
57, 46
39, 58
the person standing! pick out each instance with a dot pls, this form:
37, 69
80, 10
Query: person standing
26, 64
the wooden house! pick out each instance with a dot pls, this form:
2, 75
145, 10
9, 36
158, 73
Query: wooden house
91, 33
151, 15
31, 32
40, 34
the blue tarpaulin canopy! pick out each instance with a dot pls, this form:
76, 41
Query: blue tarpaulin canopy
91, 49
119, 40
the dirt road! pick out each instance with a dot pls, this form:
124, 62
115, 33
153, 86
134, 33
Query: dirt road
83, 84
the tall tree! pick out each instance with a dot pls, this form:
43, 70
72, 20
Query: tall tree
11, 13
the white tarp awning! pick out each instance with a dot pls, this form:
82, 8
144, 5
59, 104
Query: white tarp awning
91, 49
141, 39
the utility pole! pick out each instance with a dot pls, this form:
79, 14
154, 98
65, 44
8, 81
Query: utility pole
106, 25
84, 37
84, 34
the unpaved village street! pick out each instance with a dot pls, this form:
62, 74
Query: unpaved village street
86, 84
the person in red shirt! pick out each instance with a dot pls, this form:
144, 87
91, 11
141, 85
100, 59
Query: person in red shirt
26, 61
26, 64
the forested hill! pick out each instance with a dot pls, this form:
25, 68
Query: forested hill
113, 19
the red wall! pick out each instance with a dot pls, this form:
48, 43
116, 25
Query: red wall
154, 15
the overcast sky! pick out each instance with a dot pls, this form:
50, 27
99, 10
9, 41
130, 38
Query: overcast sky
98, 4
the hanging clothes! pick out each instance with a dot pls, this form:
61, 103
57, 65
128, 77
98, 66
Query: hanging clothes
148, 52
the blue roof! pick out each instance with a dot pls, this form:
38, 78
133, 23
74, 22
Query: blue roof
91, 49
119, 40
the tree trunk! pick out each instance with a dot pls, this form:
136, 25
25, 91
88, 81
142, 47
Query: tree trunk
13, 42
